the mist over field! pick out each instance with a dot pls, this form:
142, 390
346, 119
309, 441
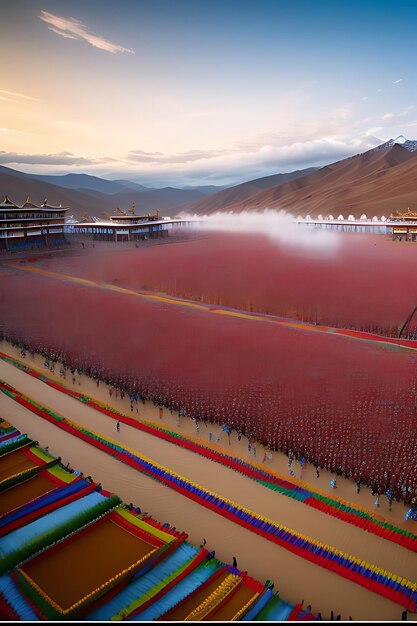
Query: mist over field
279, 226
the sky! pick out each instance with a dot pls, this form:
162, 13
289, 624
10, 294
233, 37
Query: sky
201, 92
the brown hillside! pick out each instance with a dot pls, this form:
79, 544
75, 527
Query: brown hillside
221, 200
376, 183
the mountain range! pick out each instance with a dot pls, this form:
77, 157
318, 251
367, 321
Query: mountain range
90, 195
376, 182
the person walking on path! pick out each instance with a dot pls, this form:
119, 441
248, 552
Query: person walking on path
234, 562
390, 498
118, 427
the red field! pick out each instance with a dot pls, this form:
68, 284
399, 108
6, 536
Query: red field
345, 404
360, 281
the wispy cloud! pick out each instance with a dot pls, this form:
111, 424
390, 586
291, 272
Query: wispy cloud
63, 158
343, 113
373, 131
392, 116
14, 94
62, 33
70, 28
400, 80
140, 156
14, 130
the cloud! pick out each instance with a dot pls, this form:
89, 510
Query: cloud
342, 113
392, 116
70, 28
142, 156
373, 131
242, 163
182, 157
14, 94
62, 33
400, 80
63, 158
14, 130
